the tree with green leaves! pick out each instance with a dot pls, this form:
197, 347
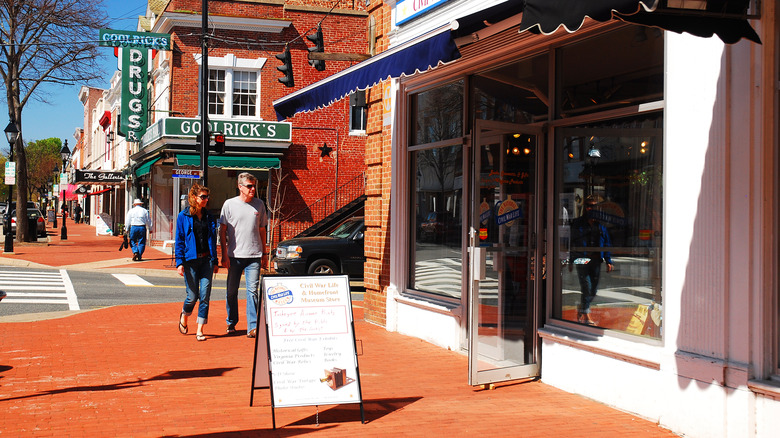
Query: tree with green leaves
43, 156
45, 42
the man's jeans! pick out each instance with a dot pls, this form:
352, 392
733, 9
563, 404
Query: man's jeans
588, 274
251, 269
137, 236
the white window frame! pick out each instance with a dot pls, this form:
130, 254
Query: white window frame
364, 112
230, 64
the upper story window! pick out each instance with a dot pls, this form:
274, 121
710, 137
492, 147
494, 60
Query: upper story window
358, 112
217, 92
234, 88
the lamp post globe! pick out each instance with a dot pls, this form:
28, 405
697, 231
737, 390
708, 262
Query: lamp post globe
12, 134
65, 154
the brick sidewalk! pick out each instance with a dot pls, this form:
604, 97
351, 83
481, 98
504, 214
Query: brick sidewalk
127, 371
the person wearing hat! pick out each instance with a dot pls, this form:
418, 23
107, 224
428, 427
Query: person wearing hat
138, 221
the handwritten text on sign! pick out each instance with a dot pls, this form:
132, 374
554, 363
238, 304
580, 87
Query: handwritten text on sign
308, 320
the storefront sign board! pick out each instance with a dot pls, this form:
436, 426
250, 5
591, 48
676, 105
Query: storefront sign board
311, 341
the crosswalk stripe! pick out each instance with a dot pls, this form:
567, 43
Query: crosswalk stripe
36, 301
34, 294
132, 280
70, 292
14, 287
35, 287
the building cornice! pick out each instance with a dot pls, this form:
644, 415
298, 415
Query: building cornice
169, 20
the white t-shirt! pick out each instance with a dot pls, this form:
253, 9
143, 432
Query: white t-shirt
243, 221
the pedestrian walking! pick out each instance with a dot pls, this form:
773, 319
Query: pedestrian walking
590, 241
196, 256
138, 222
243, 223
77, 210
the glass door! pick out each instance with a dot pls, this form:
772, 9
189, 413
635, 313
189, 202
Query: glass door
504, 252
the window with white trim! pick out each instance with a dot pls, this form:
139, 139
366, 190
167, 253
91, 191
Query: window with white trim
358, 111
234, 86
217, 92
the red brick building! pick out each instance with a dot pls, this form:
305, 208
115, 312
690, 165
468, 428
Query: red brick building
326, 150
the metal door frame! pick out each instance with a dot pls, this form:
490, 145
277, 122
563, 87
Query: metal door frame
477, 254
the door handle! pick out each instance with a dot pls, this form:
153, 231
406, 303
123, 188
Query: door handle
478, 263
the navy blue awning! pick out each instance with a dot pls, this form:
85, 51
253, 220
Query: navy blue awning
419, 54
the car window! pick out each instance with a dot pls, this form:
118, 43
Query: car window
345, 229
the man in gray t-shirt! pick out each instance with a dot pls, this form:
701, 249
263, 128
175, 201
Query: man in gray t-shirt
242, 231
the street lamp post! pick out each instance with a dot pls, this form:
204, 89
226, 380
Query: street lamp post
54, 195
65, 154
12, 134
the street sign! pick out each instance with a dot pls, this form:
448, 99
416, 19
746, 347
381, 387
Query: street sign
10, 173
187, 173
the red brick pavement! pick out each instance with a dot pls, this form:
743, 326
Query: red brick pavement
127, 371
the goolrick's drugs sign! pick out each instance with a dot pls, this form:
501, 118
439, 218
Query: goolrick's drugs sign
133, 50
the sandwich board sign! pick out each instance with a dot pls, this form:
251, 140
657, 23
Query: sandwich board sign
309, 343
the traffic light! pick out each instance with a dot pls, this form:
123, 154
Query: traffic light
319, 46
219, 143
285, 57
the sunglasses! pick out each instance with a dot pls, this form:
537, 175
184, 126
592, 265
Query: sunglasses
204, 196
249, 186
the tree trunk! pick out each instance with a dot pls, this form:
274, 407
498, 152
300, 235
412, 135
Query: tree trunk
22, 230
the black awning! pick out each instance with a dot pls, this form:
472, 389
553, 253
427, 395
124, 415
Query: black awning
725, 18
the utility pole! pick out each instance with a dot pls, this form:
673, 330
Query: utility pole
204, 94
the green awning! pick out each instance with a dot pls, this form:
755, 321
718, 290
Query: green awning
145, 168
230, 162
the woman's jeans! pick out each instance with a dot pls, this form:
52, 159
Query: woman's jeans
197, 279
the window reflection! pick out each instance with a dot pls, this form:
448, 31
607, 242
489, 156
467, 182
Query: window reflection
629, 72
515, 93
609, 213
437, 114
436, 259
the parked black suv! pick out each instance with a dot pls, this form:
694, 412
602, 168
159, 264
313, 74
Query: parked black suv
340, 252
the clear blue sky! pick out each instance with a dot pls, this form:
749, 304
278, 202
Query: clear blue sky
65, 113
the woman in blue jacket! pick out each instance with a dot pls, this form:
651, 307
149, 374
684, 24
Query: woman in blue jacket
196, 256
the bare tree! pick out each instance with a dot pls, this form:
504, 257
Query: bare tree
45, 42
275, 201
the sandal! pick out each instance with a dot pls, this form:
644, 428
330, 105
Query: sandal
200, 337
182, 328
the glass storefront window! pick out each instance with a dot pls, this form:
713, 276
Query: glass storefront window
609, 224
436, 255
514, 93
613, 70
437, 114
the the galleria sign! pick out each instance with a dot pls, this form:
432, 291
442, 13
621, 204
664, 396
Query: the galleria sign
98, 177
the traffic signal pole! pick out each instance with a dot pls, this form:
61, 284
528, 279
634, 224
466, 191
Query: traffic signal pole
204, 94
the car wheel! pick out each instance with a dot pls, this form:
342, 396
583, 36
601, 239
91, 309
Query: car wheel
322, 267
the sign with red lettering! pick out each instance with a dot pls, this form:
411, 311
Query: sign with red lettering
405, 10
